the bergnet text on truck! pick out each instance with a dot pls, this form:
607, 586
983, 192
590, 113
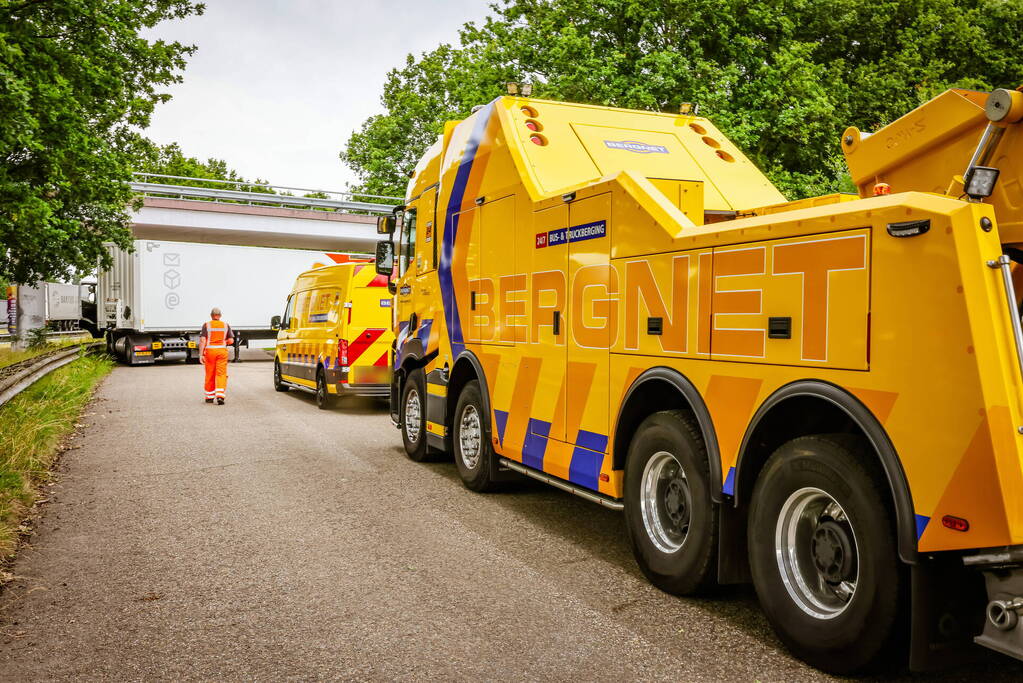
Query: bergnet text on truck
823, 397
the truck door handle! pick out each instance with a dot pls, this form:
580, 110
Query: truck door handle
557, 323
472, 301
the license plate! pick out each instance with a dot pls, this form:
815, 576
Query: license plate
372, 375
143, 353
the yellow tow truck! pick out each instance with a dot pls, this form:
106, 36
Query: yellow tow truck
823, 397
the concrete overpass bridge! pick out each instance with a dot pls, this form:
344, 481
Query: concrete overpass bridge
181, 209
174, 209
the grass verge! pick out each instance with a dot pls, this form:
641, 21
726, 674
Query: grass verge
33, 427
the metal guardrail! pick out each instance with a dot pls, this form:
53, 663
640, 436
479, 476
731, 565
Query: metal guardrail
56, 334
273, 195
17, 377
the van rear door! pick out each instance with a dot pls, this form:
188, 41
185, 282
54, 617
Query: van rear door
367, 327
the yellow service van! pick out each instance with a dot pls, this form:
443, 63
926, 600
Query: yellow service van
335, 335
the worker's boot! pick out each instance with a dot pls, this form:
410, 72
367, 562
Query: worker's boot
209, 400
220, 401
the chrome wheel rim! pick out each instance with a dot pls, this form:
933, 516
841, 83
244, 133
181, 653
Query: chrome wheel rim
665, 502
818, 559
470, 432
413, 416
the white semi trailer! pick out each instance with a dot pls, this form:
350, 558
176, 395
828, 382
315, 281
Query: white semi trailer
153, 301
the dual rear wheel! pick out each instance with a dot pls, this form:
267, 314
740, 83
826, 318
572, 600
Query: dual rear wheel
822, 551
823, 555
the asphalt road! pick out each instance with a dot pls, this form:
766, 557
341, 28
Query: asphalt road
266, 539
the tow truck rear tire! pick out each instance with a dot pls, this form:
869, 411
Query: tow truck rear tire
669, 515
474, 455
413, 416
823, 555
279, 384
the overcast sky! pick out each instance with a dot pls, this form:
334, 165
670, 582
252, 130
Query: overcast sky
277, 86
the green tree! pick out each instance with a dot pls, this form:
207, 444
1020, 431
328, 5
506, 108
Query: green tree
419, 98
77, 84
781, 78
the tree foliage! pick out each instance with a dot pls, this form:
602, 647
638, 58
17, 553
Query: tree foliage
171, 160
781, 78
436, 87
77, 84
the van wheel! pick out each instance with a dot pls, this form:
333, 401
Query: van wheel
474, 456
413, 416
279, 385
823, 555
324, 399
669, 515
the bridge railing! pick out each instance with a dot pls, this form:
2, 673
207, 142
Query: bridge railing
199, 189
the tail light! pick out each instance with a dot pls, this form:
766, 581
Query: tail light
955, 523
342, 352
143, 347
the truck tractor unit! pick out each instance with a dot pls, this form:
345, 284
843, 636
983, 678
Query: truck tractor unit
153, 301
822, 397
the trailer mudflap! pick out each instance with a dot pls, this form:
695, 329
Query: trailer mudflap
436, 411
943, 622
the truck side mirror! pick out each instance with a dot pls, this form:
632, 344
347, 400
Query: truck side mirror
391, 223
275, 322
385, 258
386, 225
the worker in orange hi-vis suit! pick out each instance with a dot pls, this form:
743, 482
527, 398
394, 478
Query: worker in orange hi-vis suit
214, 339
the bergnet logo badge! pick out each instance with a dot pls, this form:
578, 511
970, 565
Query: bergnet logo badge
637, 147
